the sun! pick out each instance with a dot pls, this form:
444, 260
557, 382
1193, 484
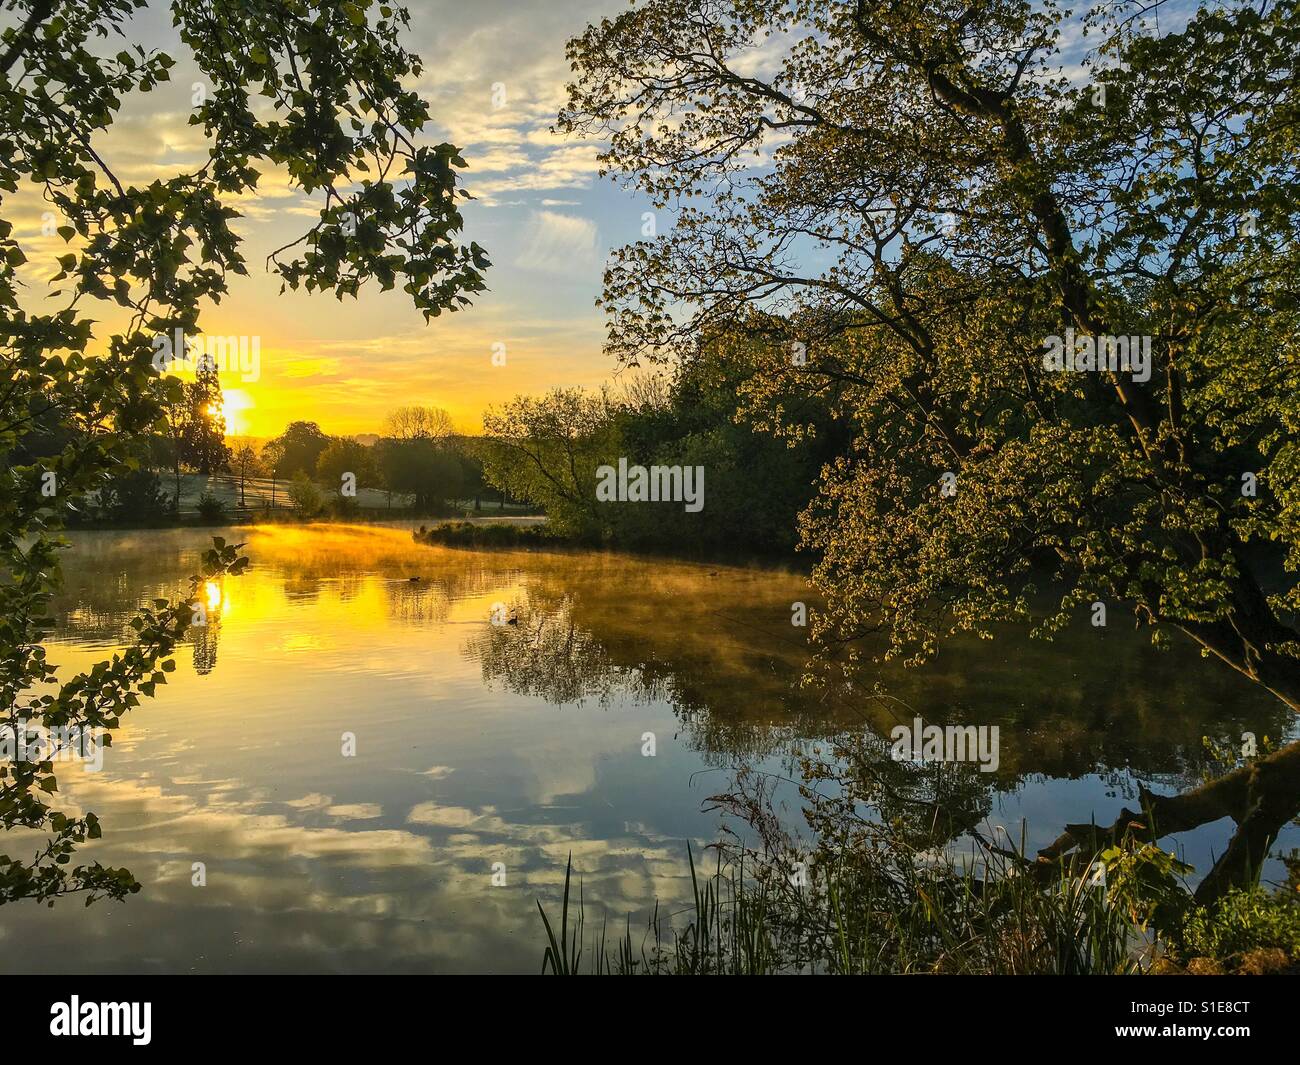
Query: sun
234, 402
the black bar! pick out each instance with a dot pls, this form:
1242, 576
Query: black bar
337, 1014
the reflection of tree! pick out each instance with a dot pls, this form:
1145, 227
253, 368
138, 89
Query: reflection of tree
1260, 797
855, 794
719, 649
732, 676
548, 655
205, 632
418, 602
585, 633
724, 654
206, 638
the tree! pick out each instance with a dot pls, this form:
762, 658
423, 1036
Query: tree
315, 89
173, 426
246, 463
342, 458
306, 496
419, 423
421, 468
133, 495
272, 458
193, 430
204, 434
940, 205
546, 450
299, 448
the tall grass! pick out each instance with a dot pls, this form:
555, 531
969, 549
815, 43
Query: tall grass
862, 918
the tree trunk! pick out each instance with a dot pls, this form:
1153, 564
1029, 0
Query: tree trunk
1260, 797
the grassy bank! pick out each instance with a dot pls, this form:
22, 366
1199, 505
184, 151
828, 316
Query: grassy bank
885, 916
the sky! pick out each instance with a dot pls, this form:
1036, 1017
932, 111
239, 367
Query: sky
545, 217
541, 212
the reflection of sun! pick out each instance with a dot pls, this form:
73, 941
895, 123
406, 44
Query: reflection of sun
212, 591
234, 401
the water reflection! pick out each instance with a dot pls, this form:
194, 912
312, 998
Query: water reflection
478, 744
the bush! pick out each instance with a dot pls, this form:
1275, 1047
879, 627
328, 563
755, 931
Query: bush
344, 507
494, 534
307, 498
211, 509
1242, 922
134, 496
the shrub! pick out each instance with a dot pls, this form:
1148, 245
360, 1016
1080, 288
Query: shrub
134, 495
344, 507
1242, 922
211, 509
491, 534
308, 499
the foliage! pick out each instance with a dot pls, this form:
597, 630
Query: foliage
306, 497
211, 509
848, 920
546, 450
939, 201
419, 423
204, 435
422, 467
93, 700
489, 534
342, 457
875, 897
133, 495
297, 450
315, 89
1241, 922
246, 463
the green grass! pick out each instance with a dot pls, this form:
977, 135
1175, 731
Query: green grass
863, 918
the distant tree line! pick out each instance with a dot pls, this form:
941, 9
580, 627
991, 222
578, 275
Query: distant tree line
419, 459
419, 462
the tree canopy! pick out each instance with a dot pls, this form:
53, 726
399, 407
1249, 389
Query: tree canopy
905, 202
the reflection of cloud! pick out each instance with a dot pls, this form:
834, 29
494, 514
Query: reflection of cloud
357, 811
438, 772
558, 242
385, 861
314, 801
275, 891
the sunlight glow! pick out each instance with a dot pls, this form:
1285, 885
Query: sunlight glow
234, 402
212, 590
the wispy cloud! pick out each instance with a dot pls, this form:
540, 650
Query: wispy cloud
558, 242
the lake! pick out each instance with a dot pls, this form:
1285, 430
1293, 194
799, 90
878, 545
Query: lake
486, 752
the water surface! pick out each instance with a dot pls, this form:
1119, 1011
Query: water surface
482, 748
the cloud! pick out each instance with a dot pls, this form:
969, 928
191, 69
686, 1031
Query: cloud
558, 242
